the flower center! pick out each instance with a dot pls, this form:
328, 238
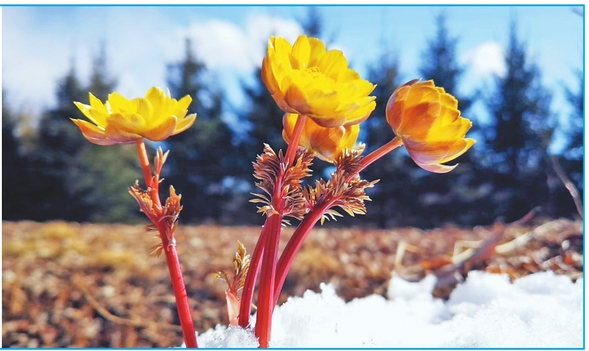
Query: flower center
314, 71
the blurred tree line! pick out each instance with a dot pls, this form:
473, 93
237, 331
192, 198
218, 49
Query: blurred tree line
51, 172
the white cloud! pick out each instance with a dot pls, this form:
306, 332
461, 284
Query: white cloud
31, 67
487, 59
224, 45
39, 45
219, 44
261, 26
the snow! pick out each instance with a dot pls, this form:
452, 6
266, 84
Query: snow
542, 310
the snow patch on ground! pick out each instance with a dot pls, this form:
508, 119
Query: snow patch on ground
542, 310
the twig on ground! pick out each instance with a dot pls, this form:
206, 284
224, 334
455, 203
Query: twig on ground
135, 322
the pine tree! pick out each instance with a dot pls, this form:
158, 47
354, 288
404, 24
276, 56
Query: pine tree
263, 116
520, 107
566, 192
105, 173
14, 168
100, 83
438, 191
439, 62
203, 157
53, 159
390, 205
574, 148
72, 179
312, 23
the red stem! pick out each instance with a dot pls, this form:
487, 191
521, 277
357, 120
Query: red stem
144, 160
267, 277
295, 243
172, 258
152, 187
270, 241
378, 153
179, 291
247, 293
294, 140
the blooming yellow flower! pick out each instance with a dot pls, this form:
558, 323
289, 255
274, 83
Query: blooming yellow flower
428, 121
122, 121
306, 79
326, 143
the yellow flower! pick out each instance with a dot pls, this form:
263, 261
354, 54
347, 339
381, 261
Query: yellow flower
428, 122
306, 79
326, 143
122, 121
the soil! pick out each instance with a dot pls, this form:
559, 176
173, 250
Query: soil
90, 285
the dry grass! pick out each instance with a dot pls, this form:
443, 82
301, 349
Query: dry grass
72, 285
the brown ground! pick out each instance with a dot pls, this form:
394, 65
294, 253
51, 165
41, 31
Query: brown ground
71, 285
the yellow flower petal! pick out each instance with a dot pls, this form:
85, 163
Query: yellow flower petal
124, 127
85, 109
89, 130
333, 63
306, 79
157, 99
92, 133
428, 121
437, 168
123, 121
301, 53
144, 108
163, 130
326, 143
458, 149
185, 123
120, 104
317, 51
181, 107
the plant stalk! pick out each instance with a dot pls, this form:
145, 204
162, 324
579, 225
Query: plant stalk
378, 153
271, 240
247, 293
294, 244
169, 247
296, 241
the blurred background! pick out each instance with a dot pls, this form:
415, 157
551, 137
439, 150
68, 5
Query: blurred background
517, 72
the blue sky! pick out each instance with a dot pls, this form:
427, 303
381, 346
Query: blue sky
40, 42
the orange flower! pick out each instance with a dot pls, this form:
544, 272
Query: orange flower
306, 79
428, 122
326, 143
119, 120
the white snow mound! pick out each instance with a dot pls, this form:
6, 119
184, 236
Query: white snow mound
542, 310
